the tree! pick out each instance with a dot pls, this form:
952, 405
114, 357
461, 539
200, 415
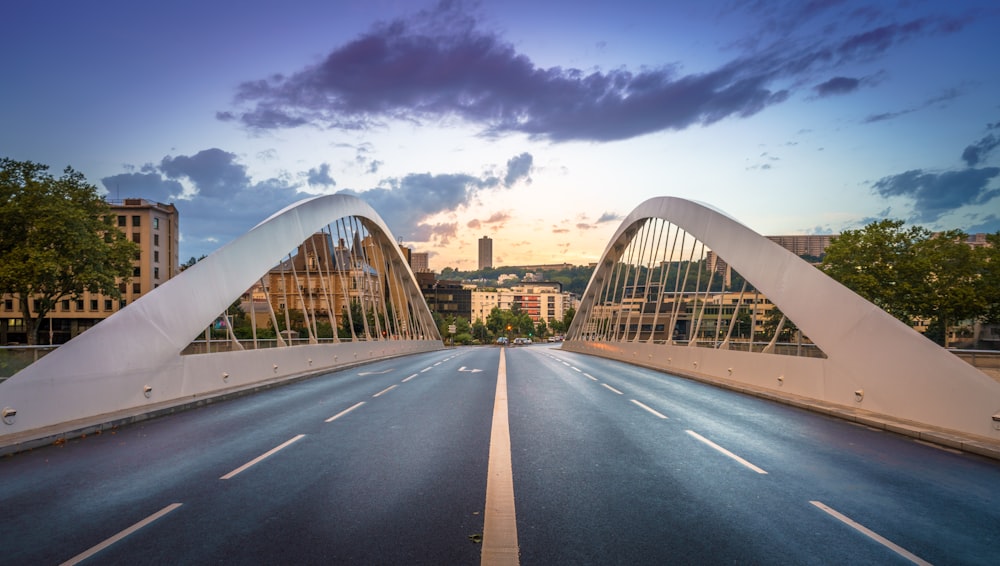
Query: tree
878, 263
989, 262
916, 274
58, 240
948, 274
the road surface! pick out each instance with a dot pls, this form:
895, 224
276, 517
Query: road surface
388, 463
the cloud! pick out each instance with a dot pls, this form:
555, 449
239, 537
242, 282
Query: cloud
223, 201
584, 226
977, 152
439, 65
936, 194
518, 167
148, 184
609, 217
320, 177
837, 85
945, 97
406, 203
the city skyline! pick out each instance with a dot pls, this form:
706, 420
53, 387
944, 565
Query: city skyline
538, 125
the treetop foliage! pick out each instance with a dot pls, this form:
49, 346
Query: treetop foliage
58, 239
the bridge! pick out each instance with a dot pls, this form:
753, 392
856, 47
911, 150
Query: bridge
382, 446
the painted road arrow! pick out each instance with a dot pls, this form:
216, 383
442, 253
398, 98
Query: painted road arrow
469, 370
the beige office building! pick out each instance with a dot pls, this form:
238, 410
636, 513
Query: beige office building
154, 227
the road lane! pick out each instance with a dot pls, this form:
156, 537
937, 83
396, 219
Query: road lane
390, 476
940, 506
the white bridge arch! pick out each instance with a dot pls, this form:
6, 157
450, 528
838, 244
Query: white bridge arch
873, 364
132, 364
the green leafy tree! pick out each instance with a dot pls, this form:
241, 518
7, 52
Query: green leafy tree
878, 263
948, 275
58, 240
568, 318
989, 285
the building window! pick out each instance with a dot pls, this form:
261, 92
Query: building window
156, 256
156, 239
121, 304
79, 304
136, 271
156, 223
136, 288
156, 273
93, 304
135, 237
121, 288
121, 220
107, 304
8, 304
136, 221
65, 305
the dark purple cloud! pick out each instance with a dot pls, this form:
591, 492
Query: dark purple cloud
439, 65
936, 194
837, 85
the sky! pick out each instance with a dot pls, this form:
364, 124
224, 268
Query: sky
540, 124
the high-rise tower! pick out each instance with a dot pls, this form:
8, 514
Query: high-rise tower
485, 252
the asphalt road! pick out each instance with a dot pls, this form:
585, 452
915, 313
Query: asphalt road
387, 464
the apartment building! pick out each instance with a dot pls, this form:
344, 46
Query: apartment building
544, 301
154, 227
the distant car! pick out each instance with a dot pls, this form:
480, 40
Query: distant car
520, 341
502, 341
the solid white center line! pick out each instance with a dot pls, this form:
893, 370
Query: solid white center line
612, 389
871, 534
344, 412
262, 457
590, 376
409, 378
386, 390
726, 452
650, 409
499, 523
95, 549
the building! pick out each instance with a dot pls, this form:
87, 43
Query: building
154, 227
544, 302
812, 245
485, 252
447, 298
419, 262
323, 279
